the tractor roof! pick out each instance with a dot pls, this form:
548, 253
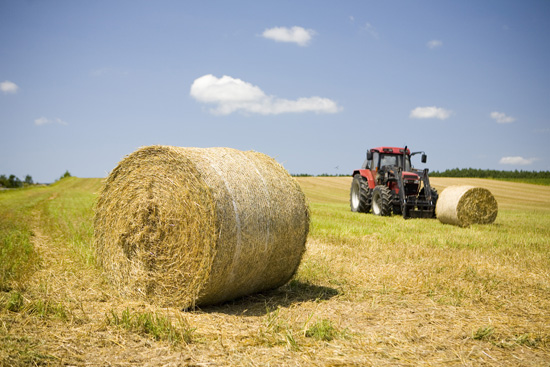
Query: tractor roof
390, 150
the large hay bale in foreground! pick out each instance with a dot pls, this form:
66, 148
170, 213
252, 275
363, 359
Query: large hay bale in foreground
464, 205
195, 226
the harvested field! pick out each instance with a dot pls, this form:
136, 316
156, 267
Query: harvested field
369, 291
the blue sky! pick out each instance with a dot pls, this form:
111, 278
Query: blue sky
311, 83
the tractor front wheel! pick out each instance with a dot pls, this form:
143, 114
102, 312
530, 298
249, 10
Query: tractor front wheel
381, 201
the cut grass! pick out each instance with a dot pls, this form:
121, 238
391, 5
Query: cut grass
490, 270
64, 211
157, 326
369, 291
322, 330
66, 215
18, 258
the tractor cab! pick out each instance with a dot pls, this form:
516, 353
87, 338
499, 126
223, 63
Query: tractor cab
381, 157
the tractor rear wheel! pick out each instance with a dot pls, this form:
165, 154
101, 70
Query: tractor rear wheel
381, 201
360, 195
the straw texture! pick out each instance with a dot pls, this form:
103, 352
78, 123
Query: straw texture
195, 226
464, 205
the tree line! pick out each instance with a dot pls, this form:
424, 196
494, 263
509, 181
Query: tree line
13, 182
490, 173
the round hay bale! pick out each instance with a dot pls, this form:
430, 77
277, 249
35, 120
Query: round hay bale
196, 226
464, 205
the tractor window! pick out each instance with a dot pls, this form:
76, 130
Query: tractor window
375, 157
408, 166
388, 160
395, 160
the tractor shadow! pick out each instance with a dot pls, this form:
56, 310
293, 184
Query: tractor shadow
263, 303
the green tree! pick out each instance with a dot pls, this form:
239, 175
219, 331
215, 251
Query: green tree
28, 180
65, 175
14, 182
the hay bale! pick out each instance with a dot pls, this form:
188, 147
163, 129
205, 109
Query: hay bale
191, 226
464, 205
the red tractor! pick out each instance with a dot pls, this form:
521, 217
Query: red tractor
388, 183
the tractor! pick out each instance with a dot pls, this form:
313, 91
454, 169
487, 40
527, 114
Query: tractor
388, 183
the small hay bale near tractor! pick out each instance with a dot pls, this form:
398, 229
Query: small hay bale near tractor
464, 205
387, 183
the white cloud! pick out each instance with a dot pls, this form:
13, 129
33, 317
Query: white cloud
501, 118
41, 121
44, 121
517, 161
371, 30
295, 34
434, 44
208, 88
430, 113
232, 95
8, 87
366, 27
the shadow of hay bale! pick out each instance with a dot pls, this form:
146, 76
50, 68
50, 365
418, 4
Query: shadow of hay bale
260, 304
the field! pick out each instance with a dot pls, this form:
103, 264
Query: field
369, 291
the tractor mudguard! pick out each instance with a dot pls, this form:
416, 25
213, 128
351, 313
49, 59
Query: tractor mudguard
367, 173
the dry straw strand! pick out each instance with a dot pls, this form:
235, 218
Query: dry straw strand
463, 205
194, 226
